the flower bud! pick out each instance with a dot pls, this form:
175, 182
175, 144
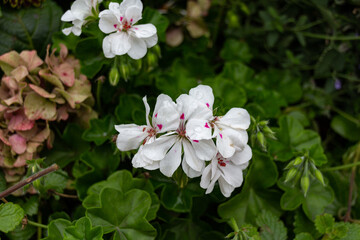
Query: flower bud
233, 19
253, 139
157, 51
125, 71
305, 183
298, 160
291, 174
261, 138
290, 165
151, 61
114, 76
319, 176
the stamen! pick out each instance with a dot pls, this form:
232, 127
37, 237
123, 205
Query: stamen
182, 116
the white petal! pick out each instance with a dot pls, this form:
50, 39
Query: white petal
242, 157
107, 47
81, 9
172, 160
192, 108
147, 111
143, 31
67, 31
155, 165
165, 117
226, 189
191, 158
198, 129
151, 41
206, 177
133, 14
128, 3
68, 16
204, 149
191, 173
138, 48
232, 174
114, 7
120, 43
237, 118
158, 149
210, 188
108, 22
203, 94
130, 136
224, 145
76, 30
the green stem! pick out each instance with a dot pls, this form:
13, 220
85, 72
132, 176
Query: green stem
307, 26
36, 224
98, 94
332, 38
341, 167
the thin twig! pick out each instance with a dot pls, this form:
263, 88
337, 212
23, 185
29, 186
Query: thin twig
4, 200
63, 194
30, 179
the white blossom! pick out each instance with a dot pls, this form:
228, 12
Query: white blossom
126, 37
226, 171
79, 11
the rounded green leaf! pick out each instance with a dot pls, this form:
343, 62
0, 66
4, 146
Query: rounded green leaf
10, 216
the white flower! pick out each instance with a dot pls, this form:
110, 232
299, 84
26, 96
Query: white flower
126, 37
131, 136
229, 130
227, 171
168, 148
79, 11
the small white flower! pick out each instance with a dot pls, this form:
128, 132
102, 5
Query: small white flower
79, 11
168, 148
227, 171
125, 37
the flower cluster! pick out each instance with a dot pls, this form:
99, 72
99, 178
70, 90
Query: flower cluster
119, 22
182, 133
33, 93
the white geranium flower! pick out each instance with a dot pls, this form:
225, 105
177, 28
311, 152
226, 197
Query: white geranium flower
126, 37
131, 136
227, 171
168, 148
229, 130
79, 11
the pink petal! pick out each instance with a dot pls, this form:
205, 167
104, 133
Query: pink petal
20, 122
18, 143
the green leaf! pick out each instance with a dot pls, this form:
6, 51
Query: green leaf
303, 236
123, 214
353, 231
22, 233
292, 138
128, 104
10, 216
236, 50
83, 230
345, 128
31, 205
271, 227
161, 22
302, 224
99, 163
68, 147
254, 197
56, 229
55, 181
100, 130
317, 198
124, 182
29, 28
324, 223
237, 72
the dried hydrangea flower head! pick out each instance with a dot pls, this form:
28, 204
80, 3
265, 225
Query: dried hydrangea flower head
32, 94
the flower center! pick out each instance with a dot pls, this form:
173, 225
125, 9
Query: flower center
221, 160
125, 25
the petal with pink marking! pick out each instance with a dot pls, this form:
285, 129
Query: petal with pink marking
130, 136
237, 118
203, 94
171, 161
158, 149
198, 129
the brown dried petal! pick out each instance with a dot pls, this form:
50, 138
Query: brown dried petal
62, 113
54, 80
18, 143
32, 59
42, 92
80, 91
33, 146
67, 96
174, 37
3, 138
66, 73
63, 51
19, 73
9, 61
19, 122
42, 135
37, 107
21, 159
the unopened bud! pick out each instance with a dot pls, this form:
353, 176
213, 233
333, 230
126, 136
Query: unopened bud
125, 71
114, 76
233, 19
261, 139
157, 50
305, 183
290, 165
253, 139
264, 123
319, 176
290, 174
298, 160
36, 184
151, 61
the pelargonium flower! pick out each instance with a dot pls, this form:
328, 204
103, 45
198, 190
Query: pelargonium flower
131, 136
126, 37
169, 148
79, 11
227, 171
